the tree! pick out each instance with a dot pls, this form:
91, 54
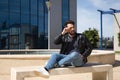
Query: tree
119, 39
92, 35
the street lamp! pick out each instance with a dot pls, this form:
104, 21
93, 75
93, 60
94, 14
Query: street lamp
48, 4
101, 29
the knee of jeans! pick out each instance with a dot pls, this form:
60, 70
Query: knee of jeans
73, 54
54, 55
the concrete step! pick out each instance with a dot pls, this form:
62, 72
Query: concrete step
84, 76
4, 77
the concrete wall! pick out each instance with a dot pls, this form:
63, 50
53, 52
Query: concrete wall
73, 10
56, 19
116, 31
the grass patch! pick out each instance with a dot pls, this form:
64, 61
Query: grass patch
117, 52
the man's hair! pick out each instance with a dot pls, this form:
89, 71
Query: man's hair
69, 22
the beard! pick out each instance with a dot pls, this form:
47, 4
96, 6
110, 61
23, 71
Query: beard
72, 33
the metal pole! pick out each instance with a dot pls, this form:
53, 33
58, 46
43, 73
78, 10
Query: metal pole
48, 4
101, 32
101, 29
48, 28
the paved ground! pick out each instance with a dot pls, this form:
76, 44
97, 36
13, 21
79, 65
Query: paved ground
116, 68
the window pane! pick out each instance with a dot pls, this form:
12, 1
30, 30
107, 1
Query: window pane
34, 7
4, 13
65, 11
4, 20
25, 6
42, 24
3, 5
25, 19
14, 6
25, 12
14, 18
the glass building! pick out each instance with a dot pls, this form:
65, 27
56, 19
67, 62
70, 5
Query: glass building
24, 23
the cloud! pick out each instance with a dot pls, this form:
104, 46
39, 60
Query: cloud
87, 19
106, 4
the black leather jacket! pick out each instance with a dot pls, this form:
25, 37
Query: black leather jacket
84, 45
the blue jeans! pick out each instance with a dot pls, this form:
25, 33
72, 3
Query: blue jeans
72, 59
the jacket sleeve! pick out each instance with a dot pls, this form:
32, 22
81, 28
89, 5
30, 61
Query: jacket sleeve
58, 39
88, 48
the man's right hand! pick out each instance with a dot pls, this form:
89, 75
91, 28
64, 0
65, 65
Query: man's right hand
65, 30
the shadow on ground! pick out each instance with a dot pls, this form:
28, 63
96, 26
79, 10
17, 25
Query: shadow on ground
117, 63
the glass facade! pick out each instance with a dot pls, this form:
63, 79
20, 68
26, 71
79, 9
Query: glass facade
65, 11
24, 23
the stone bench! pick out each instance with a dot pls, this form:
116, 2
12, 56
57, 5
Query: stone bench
99, 71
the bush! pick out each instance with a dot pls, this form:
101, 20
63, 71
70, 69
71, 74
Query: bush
119, 38
93, 36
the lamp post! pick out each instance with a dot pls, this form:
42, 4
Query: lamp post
101, 29
48, 4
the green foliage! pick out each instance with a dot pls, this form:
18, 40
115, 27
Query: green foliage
93, 36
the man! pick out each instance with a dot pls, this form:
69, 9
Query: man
75, 48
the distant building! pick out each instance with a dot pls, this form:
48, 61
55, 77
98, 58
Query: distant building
116, 31
24, 23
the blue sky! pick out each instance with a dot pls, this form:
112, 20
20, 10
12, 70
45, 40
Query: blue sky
89, 17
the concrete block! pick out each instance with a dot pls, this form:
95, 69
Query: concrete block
100, 72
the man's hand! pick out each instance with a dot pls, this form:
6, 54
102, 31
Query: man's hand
65, 30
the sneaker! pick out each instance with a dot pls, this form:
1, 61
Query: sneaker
42, 72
